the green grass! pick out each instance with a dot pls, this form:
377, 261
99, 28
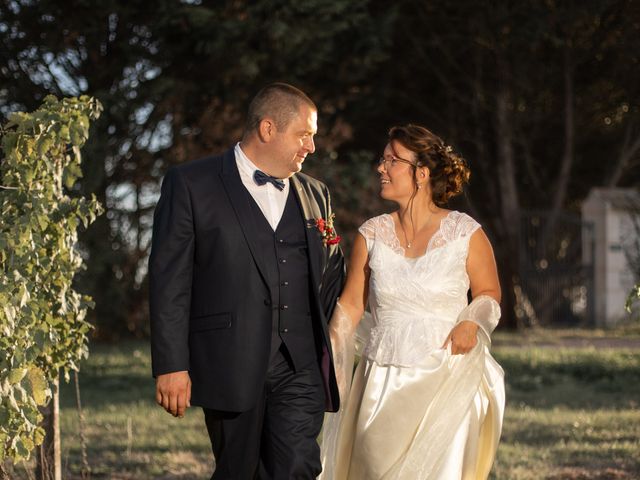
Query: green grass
572, 413
128, 435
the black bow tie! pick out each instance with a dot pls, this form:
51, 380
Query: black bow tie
261, 178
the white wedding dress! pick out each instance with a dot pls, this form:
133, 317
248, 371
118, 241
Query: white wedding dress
414, 410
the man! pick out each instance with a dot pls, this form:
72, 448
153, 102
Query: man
242, 283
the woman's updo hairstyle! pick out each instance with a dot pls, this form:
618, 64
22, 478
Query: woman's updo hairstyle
448, 171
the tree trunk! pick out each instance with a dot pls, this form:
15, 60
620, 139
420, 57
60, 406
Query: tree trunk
510, 205
564, 175
49, 463
569, 139
547, 247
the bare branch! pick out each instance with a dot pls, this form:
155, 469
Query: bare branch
624, 160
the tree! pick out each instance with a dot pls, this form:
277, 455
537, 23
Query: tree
176, 80
535, 95
540, 97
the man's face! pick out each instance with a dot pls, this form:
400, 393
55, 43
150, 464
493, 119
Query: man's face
291, 145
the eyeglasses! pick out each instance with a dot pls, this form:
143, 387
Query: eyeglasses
393, 160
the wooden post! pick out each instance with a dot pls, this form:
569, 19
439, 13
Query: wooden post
49, 461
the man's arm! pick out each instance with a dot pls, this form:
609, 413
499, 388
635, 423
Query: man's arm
170, 277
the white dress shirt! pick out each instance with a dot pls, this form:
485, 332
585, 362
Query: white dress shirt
270, 200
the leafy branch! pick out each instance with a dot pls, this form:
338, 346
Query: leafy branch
42, 318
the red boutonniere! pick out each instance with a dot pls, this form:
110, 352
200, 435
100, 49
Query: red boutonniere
329, 235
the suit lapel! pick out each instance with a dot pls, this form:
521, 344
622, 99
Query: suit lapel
311, 212
240, 201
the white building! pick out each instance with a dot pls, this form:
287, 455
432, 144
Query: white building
615, 214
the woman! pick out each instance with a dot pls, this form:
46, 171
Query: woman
427, 398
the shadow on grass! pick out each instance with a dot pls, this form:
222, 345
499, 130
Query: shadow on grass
113, 374
99, 390
548, 431
572, 378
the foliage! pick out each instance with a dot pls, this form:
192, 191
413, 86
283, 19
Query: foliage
42, 319
533, 94
634, 296
178, 77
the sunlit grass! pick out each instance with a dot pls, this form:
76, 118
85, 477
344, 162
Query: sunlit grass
572, 413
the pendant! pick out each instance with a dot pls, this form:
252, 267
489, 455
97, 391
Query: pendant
409, 245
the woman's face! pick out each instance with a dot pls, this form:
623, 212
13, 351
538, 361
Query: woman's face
397, 180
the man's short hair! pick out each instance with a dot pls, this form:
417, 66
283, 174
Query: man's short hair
278, 101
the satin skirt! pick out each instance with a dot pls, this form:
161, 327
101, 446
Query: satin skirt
440, 420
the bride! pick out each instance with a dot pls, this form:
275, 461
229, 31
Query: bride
427, 397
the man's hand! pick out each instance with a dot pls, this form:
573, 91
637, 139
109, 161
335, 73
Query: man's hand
463, 337
173, 392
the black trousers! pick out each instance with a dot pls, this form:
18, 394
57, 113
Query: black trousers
276, 440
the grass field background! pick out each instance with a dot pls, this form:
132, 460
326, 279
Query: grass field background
572, 412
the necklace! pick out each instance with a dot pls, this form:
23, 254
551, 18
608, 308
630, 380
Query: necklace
405, 232
412, 226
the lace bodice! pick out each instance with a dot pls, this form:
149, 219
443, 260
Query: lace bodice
415, 302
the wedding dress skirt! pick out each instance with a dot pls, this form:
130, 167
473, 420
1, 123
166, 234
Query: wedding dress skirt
439, 421
414, 411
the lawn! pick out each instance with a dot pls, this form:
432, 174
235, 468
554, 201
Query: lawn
572, 413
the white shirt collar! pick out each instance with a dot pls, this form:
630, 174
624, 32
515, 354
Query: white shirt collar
247, 166
245, 163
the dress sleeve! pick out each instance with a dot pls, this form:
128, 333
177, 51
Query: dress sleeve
465, 226
368, 231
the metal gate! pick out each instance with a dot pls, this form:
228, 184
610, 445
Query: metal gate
556, 268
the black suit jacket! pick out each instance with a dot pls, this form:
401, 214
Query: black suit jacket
209, 297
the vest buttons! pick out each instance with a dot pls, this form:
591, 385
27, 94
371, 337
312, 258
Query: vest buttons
285, 330
283, 260
267, 302
284, 307
280, 240
285, 284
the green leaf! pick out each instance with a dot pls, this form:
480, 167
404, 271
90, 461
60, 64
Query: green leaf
23, 448
37, 385
38, 436
4, 415
16, 375
633, 296
43, 221
78, 134
44, 145
64, 134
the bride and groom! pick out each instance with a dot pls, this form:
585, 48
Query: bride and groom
245, 274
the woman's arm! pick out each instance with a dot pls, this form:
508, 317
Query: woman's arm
353, 298
481, 267
348, 313
483, 280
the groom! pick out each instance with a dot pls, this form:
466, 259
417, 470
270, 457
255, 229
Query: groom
242, 283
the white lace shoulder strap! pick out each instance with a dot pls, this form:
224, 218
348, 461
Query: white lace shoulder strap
379, 228
458, 225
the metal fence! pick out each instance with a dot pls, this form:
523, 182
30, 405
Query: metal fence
556, 269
